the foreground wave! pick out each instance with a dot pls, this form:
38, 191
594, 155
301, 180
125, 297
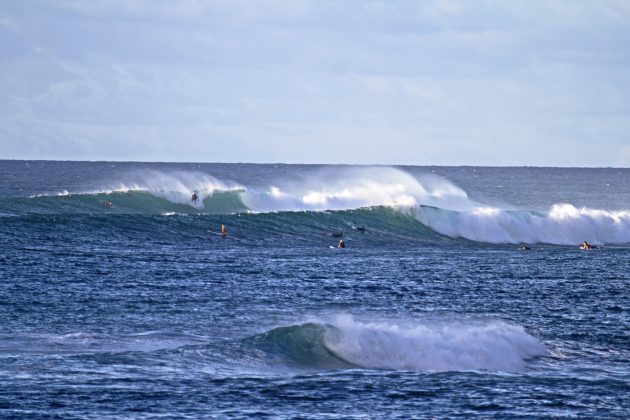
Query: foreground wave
436, 203
343, 343
452, 346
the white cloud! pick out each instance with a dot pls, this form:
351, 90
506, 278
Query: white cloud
444, 81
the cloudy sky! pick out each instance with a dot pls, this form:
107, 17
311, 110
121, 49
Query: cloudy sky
436, 82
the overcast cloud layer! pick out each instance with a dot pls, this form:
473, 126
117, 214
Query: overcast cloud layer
394, 82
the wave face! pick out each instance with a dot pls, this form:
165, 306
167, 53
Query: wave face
434, 347
145, 192
434, 202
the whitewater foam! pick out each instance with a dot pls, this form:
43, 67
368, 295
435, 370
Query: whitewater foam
563, 224
435, 202
62, 193
425, 346
353, 188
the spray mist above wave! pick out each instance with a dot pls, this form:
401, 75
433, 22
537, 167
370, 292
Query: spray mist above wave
322, 190
174, 186
425, 346
435, 202
353, 188
563, 224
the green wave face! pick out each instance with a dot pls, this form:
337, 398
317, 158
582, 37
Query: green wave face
304, 346
129, 202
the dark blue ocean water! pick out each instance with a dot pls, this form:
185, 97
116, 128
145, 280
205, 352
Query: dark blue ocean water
140, 309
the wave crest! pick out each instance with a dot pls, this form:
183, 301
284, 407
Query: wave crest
435, 202
435, 347
563, 224
353, 188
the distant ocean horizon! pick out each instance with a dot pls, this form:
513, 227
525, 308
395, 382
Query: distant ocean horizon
395, 165
461, 290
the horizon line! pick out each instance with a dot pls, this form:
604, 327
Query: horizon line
313, 164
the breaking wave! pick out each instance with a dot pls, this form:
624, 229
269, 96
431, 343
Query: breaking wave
435, 202
563, 224
433, 347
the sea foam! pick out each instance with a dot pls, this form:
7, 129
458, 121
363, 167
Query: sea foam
353, 188
435, 346
563, 224
436, 202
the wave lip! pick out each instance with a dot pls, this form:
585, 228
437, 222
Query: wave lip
354, 188
425, 347
438, 204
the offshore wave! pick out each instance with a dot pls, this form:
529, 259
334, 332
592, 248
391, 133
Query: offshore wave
434, 202
563, 224
435, 347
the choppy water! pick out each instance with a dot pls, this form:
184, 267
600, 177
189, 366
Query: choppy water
137, 310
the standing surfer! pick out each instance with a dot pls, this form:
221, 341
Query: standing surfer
224, 232
195, 197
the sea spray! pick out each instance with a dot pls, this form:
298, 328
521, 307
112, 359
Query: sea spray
175, 186
563, 224
437, 203
353, 188
418, 346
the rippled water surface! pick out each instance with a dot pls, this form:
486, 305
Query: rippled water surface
142, 310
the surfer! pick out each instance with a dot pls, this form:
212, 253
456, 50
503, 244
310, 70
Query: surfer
585, 245
109, 204
524, 248
341, 244
195, 197
224, 232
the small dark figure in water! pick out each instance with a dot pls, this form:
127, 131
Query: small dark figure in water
585, 245
524, 248
195, 197
342, 244
109, 204
333, 234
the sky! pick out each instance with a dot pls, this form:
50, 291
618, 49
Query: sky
435, 82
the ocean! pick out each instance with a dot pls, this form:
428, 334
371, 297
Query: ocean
461, 292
